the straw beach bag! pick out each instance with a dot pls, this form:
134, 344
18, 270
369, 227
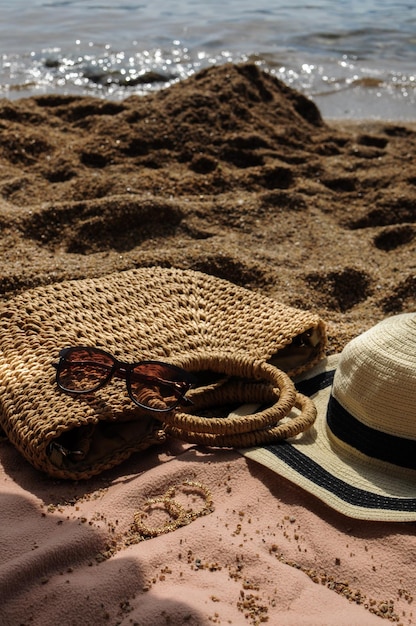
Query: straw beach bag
236, 341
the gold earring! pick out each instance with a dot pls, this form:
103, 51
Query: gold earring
176, 512
203, 492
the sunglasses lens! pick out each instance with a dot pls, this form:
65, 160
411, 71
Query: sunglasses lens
158, 386
84, 369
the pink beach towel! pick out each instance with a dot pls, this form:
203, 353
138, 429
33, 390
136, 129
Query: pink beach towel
266, 553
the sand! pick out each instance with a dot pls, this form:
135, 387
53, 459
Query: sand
231, 173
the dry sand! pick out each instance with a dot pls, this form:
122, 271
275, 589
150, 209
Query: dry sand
231, 173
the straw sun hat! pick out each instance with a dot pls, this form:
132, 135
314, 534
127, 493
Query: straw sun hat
360, 455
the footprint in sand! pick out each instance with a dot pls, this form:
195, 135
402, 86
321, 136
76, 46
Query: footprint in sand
119, 222
340, 290
393, 237
402, 297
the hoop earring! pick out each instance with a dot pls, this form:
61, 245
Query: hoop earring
203, 492
174, 509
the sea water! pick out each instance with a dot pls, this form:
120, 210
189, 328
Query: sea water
354, 58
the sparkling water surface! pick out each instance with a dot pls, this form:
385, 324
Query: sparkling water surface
355, 59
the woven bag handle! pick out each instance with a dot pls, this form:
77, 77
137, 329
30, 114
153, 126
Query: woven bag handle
273, 386
295, 423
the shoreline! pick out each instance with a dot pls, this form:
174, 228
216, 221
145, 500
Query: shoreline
343, 104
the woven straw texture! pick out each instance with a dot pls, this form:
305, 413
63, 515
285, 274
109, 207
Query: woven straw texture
366, 473
283, 412
148, 313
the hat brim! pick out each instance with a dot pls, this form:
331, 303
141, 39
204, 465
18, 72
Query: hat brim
349, 482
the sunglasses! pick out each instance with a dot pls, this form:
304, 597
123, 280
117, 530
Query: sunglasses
152, 385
